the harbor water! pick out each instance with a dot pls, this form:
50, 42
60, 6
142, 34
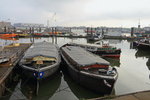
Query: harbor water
133, 68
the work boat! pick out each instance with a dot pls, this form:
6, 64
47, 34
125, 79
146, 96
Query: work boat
40, 60
88, 69
104, 50
144, 44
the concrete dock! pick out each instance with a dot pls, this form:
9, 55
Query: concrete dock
12, 54
144, 95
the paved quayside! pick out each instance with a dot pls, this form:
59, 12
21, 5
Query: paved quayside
144, 95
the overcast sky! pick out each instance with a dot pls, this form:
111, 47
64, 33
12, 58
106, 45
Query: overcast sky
113, 13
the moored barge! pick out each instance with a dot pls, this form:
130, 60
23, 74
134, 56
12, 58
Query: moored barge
144, 44
89, 70
41, 60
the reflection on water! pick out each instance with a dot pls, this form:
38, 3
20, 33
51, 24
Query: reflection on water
113, 62
79, 91
26, 88
47, 87
148, 63
144, 54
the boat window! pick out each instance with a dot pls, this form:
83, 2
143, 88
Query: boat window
92, 47
88, 47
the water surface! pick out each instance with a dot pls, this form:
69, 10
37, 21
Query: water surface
133, 68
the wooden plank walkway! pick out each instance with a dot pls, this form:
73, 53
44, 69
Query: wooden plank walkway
14, 53
144, 95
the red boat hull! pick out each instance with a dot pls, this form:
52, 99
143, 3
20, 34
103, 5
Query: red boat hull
8, 35
112, 56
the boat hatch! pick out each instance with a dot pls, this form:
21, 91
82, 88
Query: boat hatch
41, 58
40, 61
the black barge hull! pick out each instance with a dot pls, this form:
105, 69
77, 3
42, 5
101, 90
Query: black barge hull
39, 74
94, 83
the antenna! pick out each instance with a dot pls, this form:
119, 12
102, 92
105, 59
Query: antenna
139, 21
48, 23
54, 17
51, 20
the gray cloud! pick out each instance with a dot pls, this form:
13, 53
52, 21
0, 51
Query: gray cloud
75, 12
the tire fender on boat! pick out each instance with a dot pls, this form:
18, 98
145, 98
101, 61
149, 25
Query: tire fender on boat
106, 83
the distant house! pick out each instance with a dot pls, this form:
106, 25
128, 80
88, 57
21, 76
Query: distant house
1, 30
27, 25
5, 24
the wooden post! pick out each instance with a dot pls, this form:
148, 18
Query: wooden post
5, 29
14, 29
32, 30
106, 30
8, 29
33, 34
55, 35
132, 31
91, 31
52, 35
39, 29
102, 32
55, 30
70, 29
52, 31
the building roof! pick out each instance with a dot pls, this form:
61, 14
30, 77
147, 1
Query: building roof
5, 24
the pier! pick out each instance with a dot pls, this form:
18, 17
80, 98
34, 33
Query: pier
122, 38
13, 53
